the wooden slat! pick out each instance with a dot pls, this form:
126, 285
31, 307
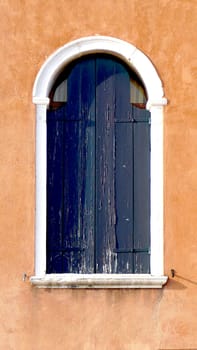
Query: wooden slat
54, 194
142, 187
73, 181
141, 263
105, 167
122, 93
124, 196
124, 171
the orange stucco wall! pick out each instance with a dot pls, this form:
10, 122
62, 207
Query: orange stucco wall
36, 319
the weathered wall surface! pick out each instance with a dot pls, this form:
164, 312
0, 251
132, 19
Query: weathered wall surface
165, 31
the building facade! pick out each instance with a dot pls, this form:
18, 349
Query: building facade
33, 34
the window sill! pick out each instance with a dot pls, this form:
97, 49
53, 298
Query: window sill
98, 281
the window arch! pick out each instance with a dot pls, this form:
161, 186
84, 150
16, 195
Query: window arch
48, 74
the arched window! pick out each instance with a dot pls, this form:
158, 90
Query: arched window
99, 214
98, 170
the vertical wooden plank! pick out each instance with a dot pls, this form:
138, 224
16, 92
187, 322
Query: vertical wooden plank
124, 197
74, 91
72, 240
141, 262
122, 93
105, 167
88, 163
54, 190
141, 190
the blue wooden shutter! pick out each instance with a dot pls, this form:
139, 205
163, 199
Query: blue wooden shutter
70, 174
98, 174
122, 174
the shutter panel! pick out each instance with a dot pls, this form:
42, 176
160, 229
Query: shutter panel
141, 190
76, 175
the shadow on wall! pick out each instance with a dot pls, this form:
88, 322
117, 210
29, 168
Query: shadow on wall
177, 282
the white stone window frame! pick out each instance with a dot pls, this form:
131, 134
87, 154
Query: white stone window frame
142, 65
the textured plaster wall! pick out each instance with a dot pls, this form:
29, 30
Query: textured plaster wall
32, 319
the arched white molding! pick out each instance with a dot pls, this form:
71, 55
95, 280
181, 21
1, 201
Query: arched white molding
132, 56
139, 62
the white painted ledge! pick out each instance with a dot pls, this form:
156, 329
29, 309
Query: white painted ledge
98, 281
